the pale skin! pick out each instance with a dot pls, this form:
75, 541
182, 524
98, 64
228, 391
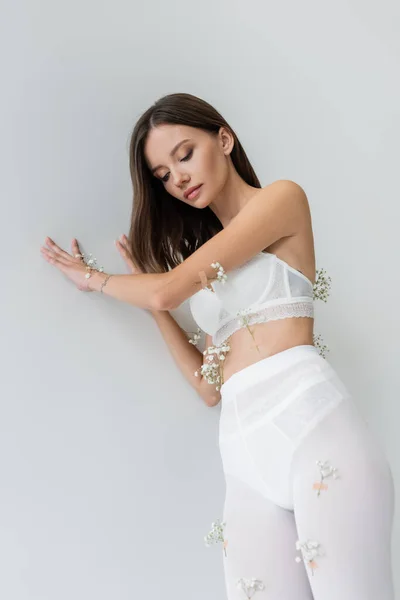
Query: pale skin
275, 218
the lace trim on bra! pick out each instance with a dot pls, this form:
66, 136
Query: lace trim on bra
302, 308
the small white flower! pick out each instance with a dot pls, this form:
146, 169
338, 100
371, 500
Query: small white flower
91, 262
318, 343
326, 470
212, 371
322, 285
310, 549
196, 337
221, 275
244, 316
250, 586
216, 535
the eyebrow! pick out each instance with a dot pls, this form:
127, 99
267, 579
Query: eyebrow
174, 149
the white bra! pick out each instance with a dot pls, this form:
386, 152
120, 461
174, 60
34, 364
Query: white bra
265, 288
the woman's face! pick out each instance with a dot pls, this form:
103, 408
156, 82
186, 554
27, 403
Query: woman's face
201, 160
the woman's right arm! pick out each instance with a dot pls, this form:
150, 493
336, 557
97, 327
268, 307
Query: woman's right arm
186, 356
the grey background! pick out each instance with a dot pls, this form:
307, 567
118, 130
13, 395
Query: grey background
110, 474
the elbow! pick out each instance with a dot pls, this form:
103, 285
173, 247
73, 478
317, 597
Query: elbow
212, 404
165, 296
157, 302
162, 300
210, 396
212, 401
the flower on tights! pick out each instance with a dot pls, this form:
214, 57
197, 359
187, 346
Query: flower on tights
216, 535
250, 586
310, 549
326, 470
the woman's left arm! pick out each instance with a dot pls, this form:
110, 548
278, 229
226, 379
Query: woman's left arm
142, 290
278, 211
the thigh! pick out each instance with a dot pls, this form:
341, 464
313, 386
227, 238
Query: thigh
343, 497
260, 540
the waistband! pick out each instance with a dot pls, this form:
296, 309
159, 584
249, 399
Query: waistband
266, 367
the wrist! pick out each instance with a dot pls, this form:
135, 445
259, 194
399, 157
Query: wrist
95, 280
158, 313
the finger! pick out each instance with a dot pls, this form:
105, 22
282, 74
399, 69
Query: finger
54, 258
123, 250
119, 245
56, 249
123, 241
76, 250
124, 253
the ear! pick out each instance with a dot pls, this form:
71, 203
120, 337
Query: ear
226, 140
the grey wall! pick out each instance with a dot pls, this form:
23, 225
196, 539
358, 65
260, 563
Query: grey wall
110, 471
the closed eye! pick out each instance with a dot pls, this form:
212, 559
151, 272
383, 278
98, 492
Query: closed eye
185, 158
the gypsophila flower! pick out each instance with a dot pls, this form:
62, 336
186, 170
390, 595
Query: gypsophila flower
244, 316
221, 275
250, 586
91, 262
196, 337
216, 535
213, 371
322, 285
310, 549
317, 340
326, 470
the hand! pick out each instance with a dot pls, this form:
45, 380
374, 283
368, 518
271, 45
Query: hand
122, 247
74, 268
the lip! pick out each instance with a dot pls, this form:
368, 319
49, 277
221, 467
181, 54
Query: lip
190, 190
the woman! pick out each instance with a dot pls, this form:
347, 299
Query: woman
309, 493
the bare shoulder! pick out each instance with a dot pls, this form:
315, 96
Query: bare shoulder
286, 190
289, 200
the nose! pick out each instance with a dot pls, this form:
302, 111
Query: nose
180, 179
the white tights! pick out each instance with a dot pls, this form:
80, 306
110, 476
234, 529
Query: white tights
279, 417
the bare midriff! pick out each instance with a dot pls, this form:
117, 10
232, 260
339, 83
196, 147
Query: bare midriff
265, 339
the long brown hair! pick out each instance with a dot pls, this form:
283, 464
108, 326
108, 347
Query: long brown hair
164, 231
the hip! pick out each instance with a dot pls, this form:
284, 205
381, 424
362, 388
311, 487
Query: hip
292, 389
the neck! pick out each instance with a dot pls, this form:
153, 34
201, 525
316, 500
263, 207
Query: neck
232, 198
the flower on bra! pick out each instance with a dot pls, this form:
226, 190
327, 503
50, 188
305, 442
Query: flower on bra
326, 470
196, 337
310, 549
216, 535
244, 316
250, 586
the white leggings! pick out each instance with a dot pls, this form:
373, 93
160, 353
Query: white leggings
309, 500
